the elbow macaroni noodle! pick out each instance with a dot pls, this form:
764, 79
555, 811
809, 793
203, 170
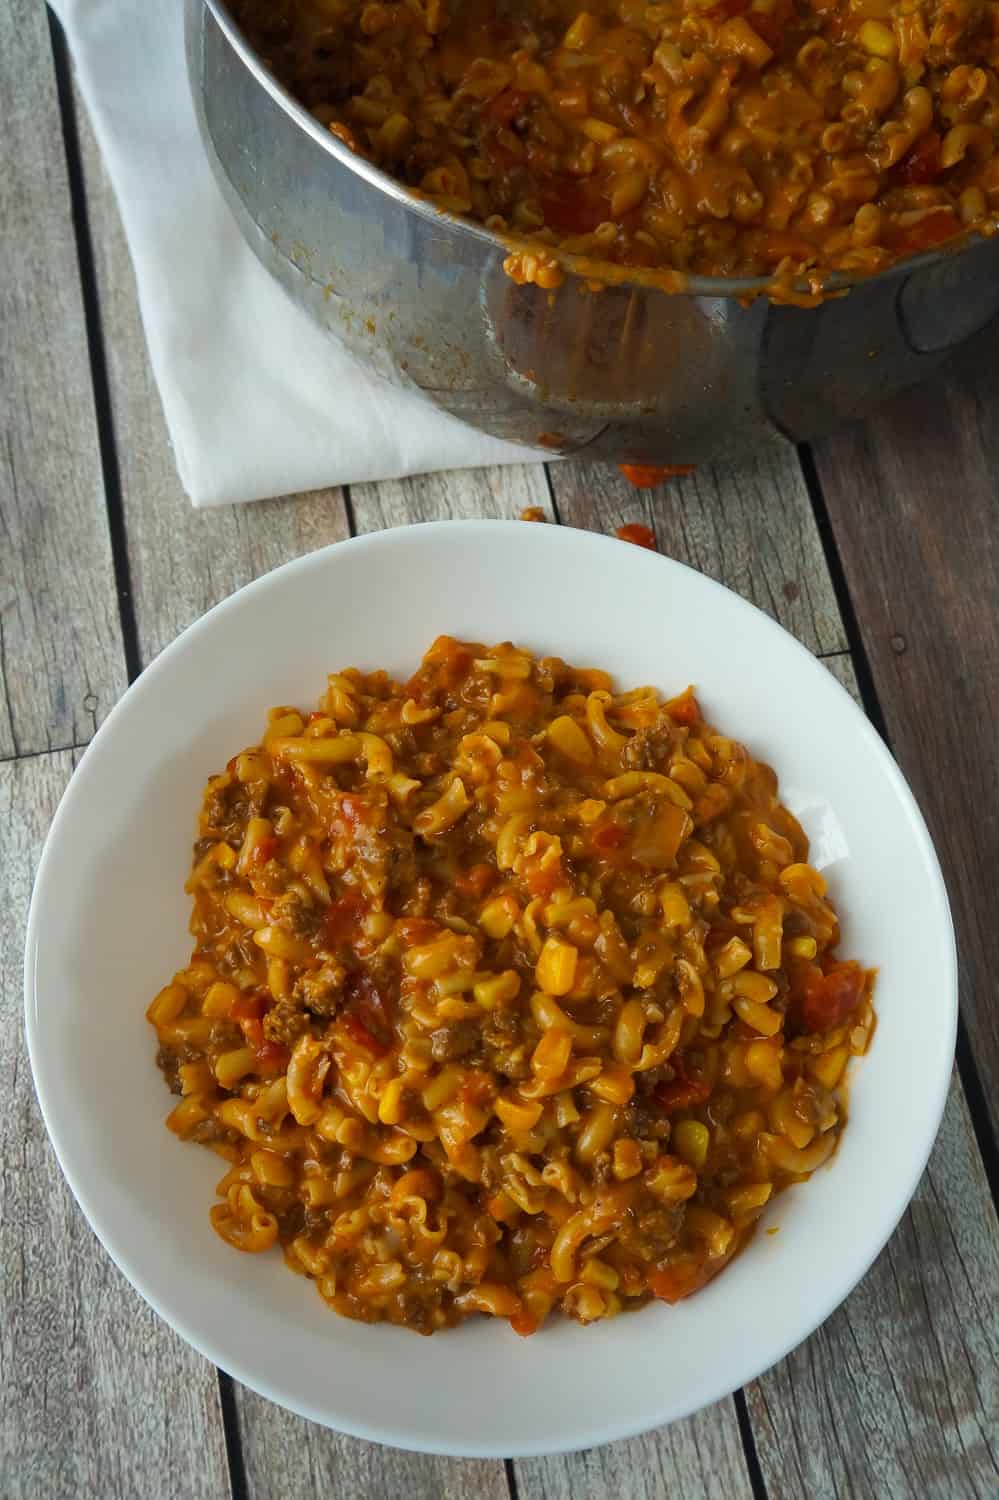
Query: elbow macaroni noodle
510, 994
776, 138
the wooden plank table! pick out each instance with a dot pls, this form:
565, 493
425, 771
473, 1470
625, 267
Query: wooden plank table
879, 550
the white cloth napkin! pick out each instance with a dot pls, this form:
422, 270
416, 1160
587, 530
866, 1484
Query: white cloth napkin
258, 401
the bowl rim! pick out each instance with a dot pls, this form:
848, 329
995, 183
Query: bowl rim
666, 283
744, 1369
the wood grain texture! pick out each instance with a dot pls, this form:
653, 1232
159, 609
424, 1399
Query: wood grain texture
289, 1456
865, 1426
750, 527
456, 494
912, 500
97, 1396
898, 1393
700, 1458
181, 560
61, 665
861, 1409
841, 667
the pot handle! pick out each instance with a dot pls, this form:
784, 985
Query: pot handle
942, 305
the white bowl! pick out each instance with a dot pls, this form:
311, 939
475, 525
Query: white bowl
108, 926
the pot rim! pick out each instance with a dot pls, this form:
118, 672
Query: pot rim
589, 270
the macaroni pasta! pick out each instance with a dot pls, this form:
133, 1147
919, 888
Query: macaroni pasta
774, 138
510, 993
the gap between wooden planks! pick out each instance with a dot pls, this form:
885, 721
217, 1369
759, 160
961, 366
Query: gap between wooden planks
686, 1462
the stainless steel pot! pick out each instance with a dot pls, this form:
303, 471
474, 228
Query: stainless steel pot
630, 373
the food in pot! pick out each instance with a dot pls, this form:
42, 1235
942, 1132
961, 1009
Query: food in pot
722, 137
511, 994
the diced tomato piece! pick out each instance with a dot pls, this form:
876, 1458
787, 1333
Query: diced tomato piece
343, 920
609, 836
266, 849
371, 1006
647, 476
506, 106
476, 1089
935, 229
638, 535
830, 998
354, 1028
249, 1011
923, 163
476, 881
684, 709
682, 1093
272, 1057
678, 1280
356, 809
250, 1007
446, 661
572, 206
541, 880
253, 1033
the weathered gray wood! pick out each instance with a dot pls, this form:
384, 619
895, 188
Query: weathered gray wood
841, 666
713, 522
861, 1410
751, 527
181, 560
912, 498
285, 1455
457, 494
61, 666
97, 1397
755, 531
898, 1393
701, 1457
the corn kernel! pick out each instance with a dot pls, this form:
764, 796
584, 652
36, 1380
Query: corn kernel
763, 1062
803, 947
878, 39
690, 1140
498, 916
556, 967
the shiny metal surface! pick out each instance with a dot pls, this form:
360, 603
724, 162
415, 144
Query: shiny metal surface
630, 373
